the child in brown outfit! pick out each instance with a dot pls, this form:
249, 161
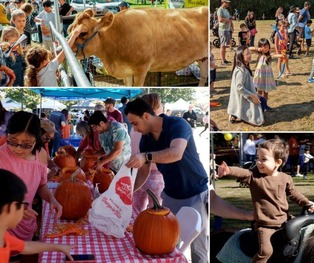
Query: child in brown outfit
269, 190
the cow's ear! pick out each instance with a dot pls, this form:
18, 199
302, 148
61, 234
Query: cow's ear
90, 12
106, 20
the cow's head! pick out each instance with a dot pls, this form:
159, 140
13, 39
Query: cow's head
89, 29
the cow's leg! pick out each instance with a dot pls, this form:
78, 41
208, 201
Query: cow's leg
203, 63
128, 81
139, 79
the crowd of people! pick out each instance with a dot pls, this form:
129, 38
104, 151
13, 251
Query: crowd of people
249, 90
162, 147
27, 47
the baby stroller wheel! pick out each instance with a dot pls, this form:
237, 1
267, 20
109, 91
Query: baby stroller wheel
216, 43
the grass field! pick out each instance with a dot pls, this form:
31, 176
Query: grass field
292, 100
229, 190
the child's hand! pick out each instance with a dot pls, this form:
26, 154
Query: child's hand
30, 213
255, 99
311, 208
223, 169
65, 249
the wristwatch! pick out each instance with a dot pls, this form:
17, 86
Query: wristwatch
149, 157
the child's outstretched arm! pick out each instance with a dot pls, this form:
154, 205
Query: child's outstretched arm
35, 247
74, 34
9, 72
223, 169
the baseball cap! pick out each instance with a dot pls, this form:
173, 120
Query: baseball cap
3, 15
48, 126
124, 4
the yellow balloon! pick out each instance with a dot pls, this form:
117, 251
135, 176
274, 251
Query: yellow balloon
228, 136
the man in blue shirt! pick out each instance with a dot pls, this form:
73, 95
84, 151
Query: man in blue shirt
168, 141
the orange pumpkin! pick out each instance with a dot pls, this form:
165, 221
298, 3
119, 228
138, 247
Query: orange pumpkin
103, 177
89, 159
63, 159
75, 197
67, 172
69, 149
156, 230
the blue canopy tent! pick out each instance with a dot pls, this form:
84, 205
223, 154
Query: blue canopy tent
87, 93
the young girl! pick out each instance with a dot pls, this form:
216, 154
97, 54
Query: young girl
41, 71
212, 70
269, 190
23, 155
15, 61
281, 46
264, 80
244, 102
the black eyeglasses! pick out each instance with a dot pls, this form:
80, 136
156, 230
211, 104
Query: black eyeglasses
19, 204
47, 138
22, 146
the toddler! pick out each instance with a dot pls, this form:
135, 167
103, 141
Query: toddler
269, 190
308, 36
244, 35
41, 70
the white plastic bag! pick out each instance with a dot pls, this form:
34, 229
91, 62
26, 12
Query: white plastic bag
111, 212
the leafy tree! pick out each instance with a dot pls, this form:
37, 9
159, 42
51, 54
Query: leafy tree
173, 94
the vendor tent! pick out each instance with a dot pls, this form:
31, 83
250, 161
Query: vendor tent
51, 104
88, 93
84, 104
10, 104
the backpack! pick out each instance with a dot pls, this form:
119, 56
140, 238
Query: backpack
272, 37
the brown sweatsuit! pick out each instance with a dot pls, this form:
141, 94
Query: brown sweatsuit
270, 205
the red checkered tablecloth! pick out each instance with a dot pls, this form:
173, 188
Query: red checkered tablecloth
105, 248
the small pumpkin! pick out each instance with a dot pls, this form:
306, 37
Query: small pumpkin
69, 149
67, 172
63, 159
75, 197
156, 230
89, 159
103, 178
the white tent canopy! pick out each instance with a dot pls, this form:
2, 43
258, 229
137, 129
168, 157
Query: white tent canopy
84, 104
10, 104
180, 104
51, 104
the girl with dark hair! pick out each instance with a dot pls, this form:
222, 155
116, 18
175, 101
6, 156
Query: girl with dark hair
250, 22
264, 80
23, 155
244, 102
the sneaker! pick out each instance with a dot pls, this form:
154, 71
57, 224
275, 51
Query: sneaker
299, 175
223, 64
304, 177
310, 80
227, 62
269, 108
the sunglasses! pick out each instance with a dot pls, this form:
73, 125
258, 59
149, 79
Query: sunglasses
22, 146
19, 204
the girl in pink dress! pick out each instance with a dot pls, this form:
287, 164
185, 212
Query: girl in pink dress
155, 180
23, 155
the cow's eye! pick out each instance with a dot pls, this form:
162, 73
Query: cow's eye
83, 34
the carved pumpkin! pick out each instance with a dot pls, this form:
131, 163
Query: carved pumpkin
156, 230
103, 177
67, 172
63, 159
75, 197
89, 159
69, 149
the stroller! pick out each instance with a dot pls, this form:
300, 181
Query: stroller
216, 41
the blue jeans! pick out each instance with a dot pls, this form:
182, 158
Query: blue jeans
263, 103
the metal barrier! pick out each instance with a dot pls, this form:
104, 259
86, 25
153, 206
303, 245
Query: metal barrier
77, 71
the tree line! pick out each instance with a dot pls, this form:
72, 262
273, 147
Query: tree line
259, 7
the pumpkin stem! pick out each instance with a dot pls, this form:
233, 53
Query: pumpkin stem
73, 176
157, 205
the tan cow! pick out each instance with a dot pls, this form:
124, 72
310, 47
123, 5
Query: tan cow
136, 41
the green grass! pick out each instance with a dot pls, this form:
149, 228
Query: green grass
229, 190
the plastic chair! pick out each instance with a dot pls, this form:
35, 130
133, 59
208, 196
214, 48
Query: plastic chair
190, 226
